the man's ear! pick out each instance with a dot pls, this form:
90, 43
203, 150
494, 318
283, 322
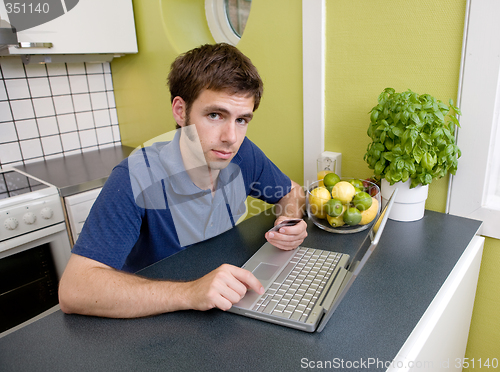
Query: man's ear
179, 111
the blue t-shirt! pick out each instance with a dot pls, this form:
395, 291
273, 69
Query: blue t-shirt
149, 209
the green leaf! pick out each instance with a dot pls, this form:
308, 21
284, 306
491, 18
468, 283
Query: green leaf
379, 167
398, 132
389, 156
418, 153
439, 115
405, 176
426, 138
382, 136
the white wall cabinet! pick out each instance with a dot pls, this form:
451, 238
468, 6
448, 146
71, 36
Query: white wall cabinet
89, 27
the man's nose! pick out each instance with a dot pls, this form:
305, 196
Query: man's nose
229, 133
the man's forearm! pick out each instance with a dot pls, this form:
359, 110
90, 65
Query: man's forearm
103, 291
292, 204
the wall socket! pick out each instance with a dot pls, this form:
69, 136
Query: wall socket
331, 161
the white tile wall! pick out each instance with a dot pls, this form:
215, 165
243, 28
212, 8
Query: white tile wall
53, 110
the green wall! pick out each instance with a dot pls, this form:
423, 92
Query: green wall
416, 45
370, 45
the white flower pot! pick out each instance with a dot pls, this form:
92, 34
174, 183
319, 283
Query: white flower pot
409, 204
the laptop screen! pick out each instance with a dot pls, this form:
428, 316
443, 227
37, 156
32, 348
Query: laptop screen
371, 240
359, 259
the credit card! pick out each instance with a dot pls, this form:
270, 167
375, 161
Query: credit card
291, 222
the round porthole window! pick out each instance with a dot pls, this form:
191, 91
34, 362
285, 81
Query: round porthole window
227, 19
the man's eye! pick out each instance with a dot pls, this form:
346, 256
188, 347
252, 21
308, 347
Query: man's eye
242, 121
214, 116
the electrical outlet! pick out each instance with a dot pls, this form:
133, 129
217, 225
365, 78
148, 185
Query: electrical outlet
331, 161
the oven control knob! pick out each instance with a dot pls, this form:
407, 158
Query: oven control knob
47, 213
10, 223
29, 218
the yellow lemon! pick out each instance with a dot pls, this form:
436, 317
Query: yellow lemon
368, 215
335, 221
343, 191
317, 199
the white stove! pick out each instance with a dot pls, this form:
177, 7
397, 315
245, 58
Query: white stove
26, 205
34, 248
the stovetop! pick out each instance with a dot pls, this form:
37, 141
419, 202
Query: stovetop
13, 183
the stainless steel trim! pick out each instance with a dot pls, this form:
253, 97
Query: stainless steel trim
27, 45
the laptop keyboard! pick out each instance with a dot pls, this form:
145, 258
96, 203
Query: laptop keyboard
297, 289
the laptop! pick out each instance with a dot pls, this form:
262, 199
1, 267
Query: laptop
303, 287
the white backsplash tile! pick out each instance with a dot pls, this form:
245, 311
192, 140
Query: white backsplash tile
67, 123
27, 129
22, 109
70, 141
17, 88
78, 84
39, 87
52, 110
99, 100
81, 102
10, 152
51, 145
85, 120
94, 68
102, 118
35, 70
47, 126
31, 149
96, 83
44, 107
3, 92
5, 112
76, 68
56, 69
104, 135
8, 131
63, 104
59, 85
88, 138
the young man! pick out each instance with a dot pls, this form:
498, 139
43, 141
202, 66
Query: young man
173, 194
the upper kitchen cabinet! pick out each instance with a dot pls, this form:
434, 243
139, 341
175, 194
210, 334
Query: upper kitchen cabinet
70, 26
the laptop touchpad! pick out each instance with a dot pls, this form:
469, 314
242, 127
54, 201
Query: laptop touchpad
265, 271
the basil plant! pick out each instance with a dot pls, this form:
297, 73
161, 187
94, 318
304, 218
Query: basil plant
413, 137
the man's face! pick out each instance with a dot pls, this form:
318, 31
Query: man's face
221, 121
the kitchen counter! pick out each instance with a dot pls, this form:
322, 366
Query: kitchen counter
80, 172
399, 289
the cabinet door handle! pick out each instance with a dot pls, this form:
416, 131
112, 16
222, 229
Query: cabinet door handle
26, 45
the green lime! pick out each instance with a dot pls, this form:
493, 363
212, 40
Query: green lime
334, 207
358, 190
352, 216
357, 183
362, 201
331, 179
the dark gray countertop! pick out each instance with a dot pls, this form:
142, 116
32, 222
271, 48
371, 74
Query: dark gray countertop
80, 172
375, 318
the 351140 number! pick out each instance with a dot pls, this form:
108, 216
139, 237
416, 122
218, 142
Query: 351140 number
31, 8
476, 363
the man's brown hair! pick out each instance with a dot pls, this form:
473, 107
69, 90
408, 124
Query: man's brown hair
217, 67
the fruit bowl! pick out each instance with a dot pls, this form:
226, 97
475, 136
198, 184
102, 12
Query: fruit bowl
341, 212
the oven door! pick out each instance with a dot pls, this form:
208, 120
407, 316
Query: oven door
30, 268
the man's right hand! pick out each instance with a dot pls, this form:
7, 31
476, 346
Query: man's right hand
221, 288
